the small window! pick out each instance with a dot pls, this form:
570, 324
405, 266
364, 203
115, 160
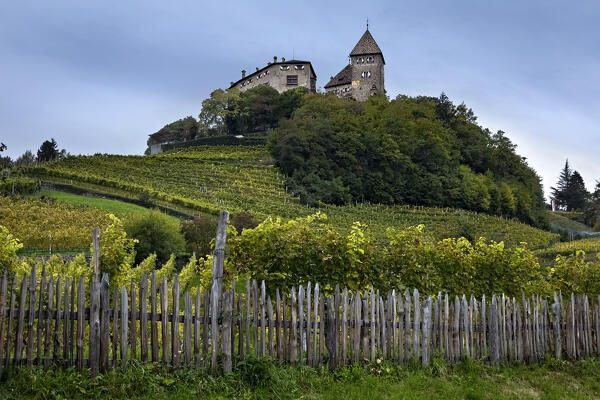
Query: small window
300, 67
284, 67
292, 79
266, 72
370, 59
249, 81
360, 60
366, 74
260, 75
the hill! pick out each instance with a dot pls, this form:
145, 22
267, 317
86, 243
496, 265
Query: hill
236, 178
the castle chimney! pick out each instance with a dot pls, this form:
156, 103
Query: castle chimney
230, 83
282, 59
274, 59
257, 68
243, 73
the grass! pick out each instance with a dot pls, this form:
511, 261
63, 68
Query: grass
591, 247
564, 222
100, 203
259, 379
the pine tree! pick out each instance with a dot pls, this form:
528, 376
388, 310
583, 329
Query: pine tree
576, 192
559, 193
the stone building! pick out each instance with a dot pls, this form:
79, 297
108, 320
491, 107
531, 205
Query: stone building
363, 76
281, 75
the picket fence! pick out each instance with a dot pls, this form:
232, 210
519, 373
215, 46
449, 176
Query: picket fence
64, 322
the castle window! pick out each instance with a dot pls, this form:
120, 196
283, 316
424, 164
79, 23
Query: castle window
292, 79
266, 72
366, 74
370, 59
284, 67
299, 66
360, 60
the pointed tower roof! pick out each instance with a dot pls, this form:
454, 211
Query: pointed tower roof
366, 45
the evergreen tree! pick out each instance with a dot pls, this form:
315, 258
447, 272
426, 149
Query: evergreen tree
576, 192
48, 151
559, 192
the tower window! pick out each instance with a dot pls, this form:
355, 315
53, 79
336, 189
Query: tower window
370, 59
360, 60
292, 79
284, 67
366, 74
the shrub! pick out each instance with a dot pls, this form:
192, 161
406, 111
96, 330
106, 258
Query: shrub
156, 233
8, 249
199, 233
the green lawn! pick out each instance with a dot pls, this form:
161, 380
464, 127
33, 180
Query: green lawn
261, 380
108, 205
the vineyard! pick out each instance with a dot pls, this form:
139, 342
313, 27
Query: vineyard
45, 224
591, 247
236, 178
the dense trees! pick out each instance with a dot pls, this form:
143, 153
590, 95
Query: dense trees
229, 112
419, 150
48, 151
570, 193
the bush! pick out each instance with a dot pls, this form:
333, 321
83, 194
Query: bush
199, 233
8, 249
156, 233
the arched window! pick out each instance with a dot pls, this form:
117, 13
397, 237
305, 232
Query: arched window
370, 59
284, 67
360, 60
300, 67
366, 74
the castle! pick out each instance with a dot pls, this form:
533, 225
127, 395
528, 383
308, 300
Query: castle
361, 78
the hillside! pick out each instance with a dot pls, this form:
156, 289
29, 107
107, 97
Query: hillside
236, 178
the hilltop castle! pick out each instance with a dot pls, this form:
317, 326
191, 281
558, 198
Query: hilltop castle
361, 78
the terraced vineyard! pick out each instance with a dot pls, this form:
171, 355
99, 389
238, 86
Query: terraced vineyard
208, 179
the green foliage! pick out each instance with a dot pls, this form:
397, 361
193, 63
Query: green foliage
182, 129
155, 233
117, 251
410, 150
18, 186
209, 179
291, 253
9, 245
199, 233
48, 151
573, 274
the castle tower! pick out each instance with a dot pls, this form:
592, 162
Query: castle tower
364, 75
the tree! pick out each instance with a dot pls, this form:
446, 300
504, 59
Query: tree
156, 233
5, 162
576, 192
560, 191
48, 151
25, 159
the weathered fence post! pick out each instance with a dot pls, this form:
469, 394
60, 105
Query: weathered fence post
217, 282
494, 338
94, 351
556, 329
226, 342
96, 253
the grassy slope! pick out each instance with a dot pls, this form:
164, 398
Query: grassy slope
208, 179
468, 380
568, 224
108, 205
590, 246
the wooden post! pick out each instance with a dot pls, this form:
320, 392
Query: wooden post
357, 327
30, 320
308, 325
343, 354
270, 326
426, 323
197, 326
494, 338
80, 322
132, 323
96, 253
19, 341
329, 337
187, 329
164, 320
104, 323
226, 342
124, 320
153, 318
278, 326
294, 329
144, 317
41, 316
556, 329
3, 294
94, 349
48, 339
176, 339
315, 351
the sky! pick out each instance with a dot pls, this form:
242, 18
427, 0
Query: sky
100, 76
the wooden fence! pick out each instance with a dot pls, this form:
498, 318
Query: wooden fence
63, 322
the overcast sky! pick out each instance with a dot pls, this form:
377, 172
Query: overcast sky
99, 76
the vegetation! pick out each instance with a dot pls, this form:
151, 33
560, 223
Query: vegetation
237, 178
591, 247
18, 186
229, 112
155, 233
261, 379
421, 150
46, 224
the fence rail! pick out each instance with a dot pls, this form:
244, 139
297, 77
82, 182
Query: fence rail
65, 322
